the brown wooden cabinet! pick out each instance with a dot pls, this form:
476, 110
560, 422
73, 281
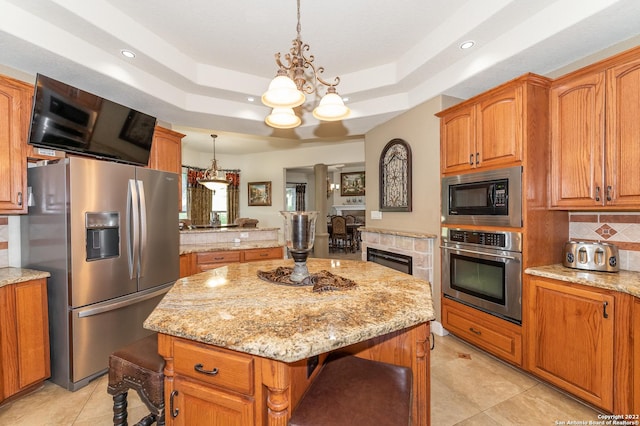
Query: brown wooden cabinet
24, 337
571, 338
251, 390
499, 337
166, 154
15, 108
594, 128
489, 130
192, 263
201, 397
636, 356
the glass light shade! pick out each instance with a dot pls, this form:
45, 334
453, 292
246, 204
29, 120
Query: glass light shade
331, 108
283, 93
213, 184
283, 118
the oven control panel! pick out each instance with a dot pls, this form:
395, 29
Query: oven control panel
492, 239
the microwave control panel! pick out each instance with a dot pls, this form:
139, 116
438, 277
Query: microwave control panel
500, 195
492, 239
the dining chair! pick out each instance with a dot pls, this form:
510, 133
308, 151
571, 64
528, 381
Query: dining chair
340, 236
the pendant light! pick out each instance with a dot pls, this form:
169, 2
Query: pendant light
210, 179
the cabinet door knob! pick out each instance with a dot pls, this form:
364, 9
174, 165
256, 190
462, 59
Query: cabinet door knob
608, 192
473, 330
477, 158
20, 199
604, 309
471, 159
597, 193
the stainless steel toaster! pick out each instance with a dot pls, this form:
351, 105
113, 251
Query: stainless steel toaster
591, 256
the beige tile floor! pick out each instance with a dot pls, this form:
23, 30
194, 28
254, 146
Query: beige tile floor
468, 388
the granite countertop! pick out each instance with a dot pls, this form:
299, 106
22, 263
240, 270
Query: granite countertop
19, 275
623, 281
231, 307
226, 229
398, 233
243, 245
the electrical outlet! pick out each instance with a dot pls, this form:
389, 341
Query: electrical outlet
244, 235
375, 214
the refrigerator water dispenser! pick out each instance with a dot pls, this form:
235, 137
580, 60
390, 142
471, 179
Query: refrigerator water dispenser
103, 235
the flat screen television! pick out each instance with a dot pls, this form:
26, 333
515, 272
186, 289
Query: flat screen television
66, 118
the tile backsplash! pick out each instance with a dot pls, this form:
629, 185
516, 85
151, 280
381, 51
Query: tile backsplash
4, 241
621, 229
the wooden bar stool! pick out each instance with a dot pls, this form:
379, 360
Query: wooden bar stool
354, 391
137, 366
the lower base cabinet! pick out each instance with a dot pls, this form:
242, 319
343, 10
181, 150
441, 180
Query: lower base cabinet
193, 263
578, 340
636, 356
24, 337
496, 336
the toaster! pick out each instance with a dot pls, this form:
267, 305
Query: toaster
591, 256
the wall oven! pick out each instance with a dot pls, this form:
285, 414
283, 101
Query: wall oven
483, 269
492, 197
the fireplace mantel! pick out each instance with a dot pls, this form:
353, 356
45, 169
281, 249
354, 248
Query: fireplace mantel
348, 207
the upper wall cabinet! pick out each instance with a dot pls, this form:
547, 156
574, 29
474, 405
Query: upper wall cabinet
15, 107
594, 136
489, 129
166, 154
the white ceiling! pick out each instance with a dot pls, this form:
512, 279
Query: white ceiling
198, 61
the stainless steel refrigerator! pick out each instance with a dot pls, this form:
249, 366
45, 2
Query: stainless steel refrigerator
108, 234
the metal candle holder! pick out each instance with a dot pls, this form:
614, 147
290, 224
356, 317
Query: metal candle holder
299, 235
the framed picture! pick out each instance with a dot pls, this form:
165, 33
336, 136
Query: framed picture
395, 177
260, 193
352, 183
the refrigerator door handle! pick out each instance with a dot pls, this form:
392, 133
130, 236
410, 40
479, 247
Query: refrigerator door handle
133, 219
143, 225
120, 304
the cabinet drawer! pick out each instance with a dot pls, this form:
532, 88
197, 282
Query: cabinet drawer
492, 334
218, 257
228, 370
263, 254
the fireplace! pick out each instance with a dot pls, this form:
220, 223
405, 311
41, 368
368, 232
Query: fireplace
399, 262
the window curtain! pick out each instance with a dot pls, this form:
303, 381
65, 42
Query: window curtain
233, 194
198, 198
301, 188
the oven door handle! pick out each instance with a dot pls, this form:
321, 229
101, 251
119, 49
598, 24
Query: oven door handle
479, 252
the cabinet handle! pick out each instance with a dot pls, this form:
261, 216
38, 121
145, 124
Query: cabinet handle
608, 192
604, 309
597, 193
473, 330
174, 411
471, 159
477, 158
20, 199
199, 368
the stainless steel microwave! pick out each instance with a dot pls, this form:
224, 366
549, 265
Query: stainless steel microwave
493, 197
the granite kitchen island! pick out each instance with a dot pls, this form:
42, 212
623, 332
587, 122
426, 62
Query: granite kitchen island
241, 350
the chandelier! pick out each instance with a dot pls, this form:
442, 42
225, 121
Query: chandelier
210, 178
287, 90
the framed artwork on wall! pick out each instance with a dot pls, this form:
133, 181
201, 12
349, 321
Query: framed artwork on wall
260, 193
395, 177
351, 184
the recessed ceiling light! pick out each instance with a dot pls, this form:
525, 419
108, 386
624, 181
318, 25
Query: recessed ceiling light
467, 44
345, 99
251, 98
128, 53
